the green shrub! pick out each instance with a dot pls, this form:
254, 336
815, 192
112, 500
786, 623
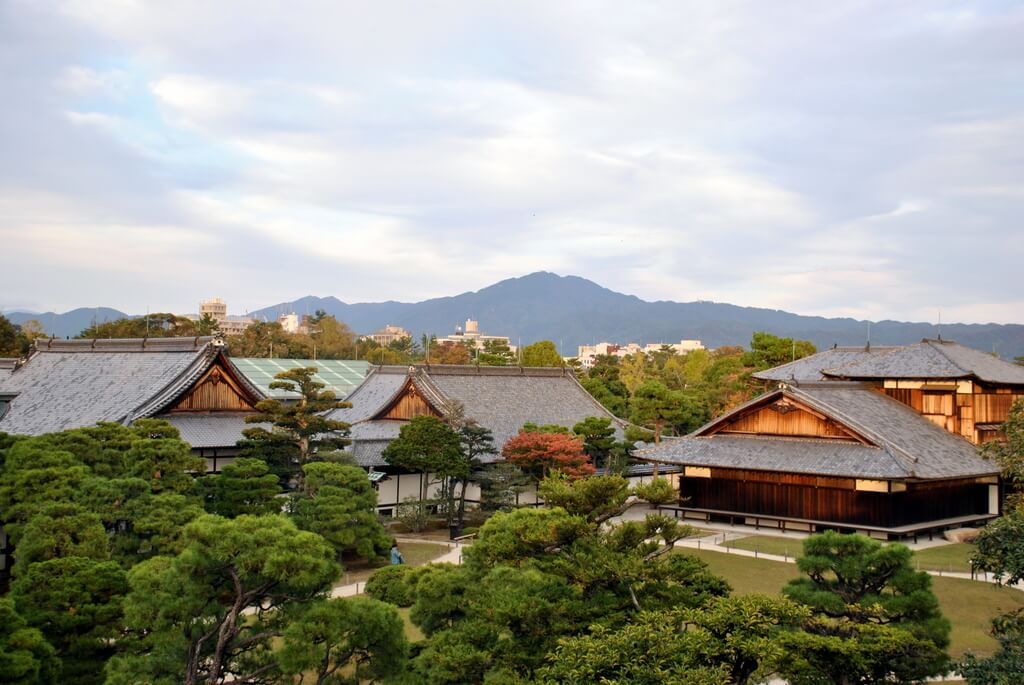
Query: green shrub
658, 491
414, 514
390, 585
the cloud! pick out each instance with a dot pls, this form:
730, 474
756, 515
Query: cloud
841, 159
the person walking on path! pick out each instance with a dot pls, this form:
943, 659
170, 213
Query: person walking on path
396, 556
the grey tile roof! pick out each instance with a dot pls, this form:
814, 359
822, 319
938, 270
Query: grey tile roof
372, 394
903, 444
207, 430
75, 383
501, 399
936, 359
790, 455
810, 368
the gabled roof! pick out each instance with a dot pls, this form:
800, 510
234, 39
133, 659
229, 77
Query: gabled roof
501, 399
898, 443
928, 359
75, 383
341, 376
932, 359
811, 368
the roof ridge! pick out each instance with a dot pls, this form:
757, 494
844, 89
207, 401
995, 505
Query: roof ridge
932, 344
163, 344
421, 379
160, 399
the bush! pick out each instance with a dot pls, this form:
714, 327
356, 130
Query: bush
414, 514
390, 584
658, 491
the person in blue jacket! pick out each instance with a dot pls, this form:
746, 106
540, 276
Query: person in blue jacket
396, 556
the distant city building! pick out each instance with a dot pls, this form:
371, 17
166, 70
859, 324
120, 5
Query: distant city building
587, 354
294, 324
218, 310
389, 334
471, 337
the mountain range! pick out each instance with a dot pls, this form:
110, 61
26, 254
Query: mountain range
574, 311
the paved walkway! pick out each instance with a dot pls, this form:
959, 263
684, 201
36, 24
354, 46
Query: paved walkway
452, 556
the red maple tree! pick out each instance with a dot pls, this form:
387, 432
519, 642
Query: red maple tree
541, 453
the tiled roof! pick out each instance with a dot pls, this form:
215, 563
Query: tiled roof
903, 444
790, 455
931, 359
501, 399
341, 376
74, 383
928, 359
810, 368
206, 430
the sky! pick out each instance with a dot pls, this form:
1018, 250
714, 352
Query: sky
836, 158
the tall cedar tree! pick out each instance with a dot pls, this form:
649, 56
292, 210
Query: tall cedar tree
540, 454
303, 423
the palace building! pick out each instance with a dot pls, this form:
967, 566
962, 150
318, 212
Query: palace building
882, 441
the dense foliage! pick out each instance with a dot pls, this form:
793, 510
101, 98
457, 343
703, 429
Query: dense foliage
1000, 551
120, 576
675, 393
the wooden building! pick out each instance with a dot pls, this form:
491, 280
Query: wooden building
190, 382
501, 399
878, 440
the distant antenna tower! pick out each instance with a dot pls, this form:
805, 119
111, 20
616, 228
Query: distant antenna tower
867, 347
940, 324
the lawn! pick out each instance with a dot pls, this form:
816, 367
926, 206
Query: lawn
415, 553
953, 557
969, 605
791, 547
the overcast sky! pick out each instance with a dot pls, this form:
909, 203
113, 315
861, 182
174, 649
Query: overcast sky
834, 158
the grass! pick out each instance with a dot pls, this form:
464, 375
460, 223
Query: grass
969, 605
415, 553
791, 547
953, 557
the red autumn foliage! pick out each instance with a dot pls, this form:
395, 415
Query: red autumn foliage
540, 453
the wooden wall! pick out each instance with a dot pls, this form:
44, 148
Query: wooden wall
409, 404
785, 417
960, 407
831, 499
215, 391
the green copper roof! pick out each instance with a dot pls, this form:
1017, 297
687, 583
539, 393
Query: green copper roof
341, 376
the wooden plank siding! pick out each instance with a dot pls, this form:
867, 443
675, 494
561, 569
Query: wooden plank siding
793, 496
785, 417
961, 412
215, 391
408, 405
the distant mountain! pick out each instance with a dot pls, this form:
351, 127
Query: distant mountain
573, 311
68, 324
